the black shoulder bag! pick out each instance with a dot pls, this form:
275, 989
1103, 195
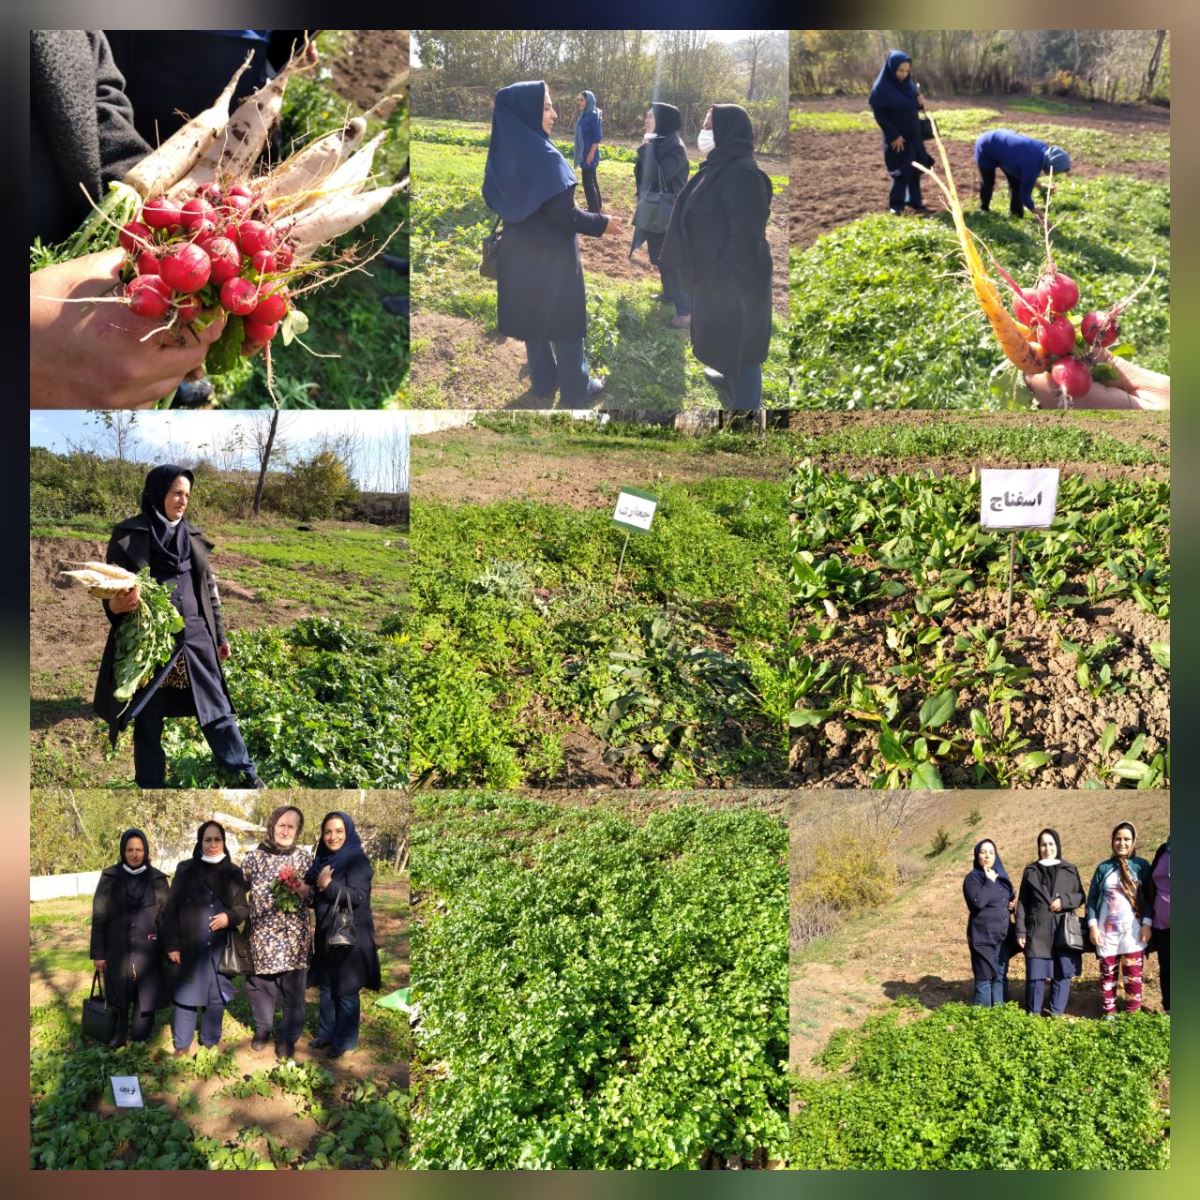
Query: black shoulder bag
489, 263
99, 1017
341, 938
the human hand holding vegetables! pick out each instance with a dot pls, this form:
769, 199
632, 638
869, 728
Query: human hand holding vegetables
1133, 388
223, 651
126, 602
92, 356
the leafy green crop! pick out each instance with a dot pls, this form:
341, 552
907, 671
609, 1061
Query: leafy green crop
597, 994
984, 1089
145, 637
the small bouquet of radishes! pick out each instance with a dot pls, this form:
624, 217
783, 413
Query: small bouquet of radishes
202, 234
287, 890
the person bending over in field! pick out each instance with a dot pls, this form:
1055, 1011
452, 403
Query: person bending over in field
1022, 159
191, 682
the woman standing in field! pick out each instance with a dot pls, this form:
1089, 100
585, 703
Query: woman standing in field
279, 931
127, 912
717, 239
896, 102
540, 295
341, 878
589, 133
989, 895
191, 683
1050, 888
207, 899
1119, 923
1156, 894
662, 166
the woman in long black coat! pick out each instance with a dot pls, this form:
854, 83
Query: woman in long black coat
539, 289
340, 875
207, 901
191, 683
1049, 888
896, 102
717, 238
662, 166
989, 895
127, 914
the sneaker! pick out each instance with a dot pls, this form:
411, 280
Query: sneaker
681, 322
662, 297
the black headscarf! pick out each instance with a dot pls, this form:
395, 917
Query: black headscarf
340, 859
138, 890
170, 547
997, 866
891, 93
209, 872
268, 843
1058, 850
667, 119
733, 134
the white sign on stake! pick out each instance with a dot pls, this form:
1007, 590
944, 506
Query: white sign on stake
635, 510
127, 1092
1018, 499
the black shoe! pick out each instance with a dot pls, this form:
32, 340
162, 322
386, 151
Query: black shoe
260, 1041
192, 393
251, 782
337, 1052
283, 1051
896, 212
316, 1044
397, 264
919, 208
398, 306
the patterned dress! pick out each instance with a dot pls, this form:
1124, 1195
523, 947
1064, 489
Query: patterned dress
279, 941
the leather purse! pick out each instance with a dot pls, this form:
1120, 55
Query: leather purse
654, 207
926, 128
341, 938
237, 957
1068, 934
489, 263
100, 1019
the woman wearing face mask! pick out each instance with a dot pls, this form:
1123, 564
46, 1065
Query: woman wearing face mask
1050, 887
896, 102
207, 899
539, 287
127, 914
1119, 920
279, 931
341, 873
191, 683
589, 133
989, 896
717, 239
662, 165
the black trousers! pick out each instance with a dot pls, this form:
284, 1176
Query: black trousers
591, 189
133, 1024
266, 993
150, 761
987, 185
1162, 943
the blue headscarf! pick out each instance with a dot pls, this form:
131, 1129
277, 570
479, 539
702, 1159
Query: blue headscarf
890, 92
524, 169
341, 858
589, 106
997, 866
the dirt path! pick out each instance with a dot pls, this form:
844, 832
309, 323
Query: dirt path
840, 177
916, 944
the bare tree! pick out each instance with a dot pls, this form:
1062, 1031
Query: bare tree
1160, 37
267, 445
116, 436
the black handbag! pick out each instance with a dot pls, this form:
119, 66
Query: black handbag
341, 938
654, 207
489, 263
100, 1019
926, 128
236, 958
1068, 934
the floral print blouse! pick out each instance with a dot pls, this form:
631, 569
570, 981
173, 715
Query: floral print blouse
279, 941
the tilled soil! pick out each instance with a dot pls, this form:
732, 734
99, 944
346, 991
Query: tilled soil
840, 177
1054, 713
373, 64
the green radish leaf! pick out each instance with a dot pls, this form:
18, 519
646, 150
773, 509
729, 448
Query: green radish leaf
1128, 768
808, 716
1108, 737
979, 724
1038, 758
223, 354
1161, 653
937, 710
891, 748
927, 778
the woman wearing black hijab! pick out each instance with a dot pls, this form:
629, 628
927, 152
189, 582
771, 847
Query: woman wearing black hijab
207, 899
989, 895
662, 166
539, 288
1050, 888
896, 102
191, 683
341, 874
127, 913
717, 238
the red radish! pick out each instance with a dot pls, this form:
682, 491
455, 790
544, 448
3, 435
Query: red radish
271, 308
264, 262
161, 213
188, 310
226, 259
195, 212
240, 189
1057, 336
134, 236
1073, 376
250, 348
1029, 305
257, 332
239, 296
148, 296
283, 257
1061, 290
1099, 327
254, 236
238, 205
186, 268
148, 264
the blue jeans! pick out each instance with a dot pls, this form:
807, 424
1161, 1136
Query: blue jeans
1039, 971
150, 762
337, 1019
183, 1021
672, 277
906, 188
555, 366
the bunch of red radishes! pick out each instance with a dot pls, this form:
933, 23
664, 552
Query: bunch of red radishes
184, 257
1045, 310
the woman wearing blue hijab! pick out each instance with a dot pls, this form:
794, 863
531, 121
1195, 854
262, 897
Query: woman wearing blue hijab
989, 894
896, 102
341, 872
589, 133
539, 285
